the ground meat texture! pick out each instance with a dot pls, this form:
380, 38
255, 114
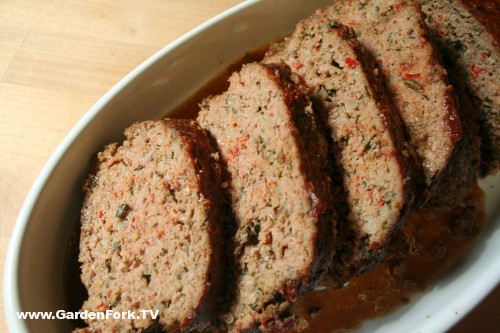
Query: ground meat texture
369, 146
279, 190
150, 238
395, 33
470, 51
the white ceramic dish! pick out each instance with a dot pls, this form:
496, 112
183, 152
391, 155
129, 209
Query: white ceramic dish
34, 264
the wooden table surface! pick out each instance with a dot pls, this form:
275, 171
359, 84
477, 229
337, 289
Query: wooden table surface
58, 57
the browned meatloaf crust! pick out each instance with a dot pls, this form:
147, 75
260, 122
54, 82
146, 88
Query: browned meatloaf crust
471, 52
279, 192
150, 237
368, 139
396, 35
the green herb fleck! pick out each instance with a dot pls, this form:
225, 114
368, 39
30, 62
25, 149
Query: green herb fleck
261, 146
369, 145
115, 246
413, 84
333, 25
107, 262
122, 211
147, 277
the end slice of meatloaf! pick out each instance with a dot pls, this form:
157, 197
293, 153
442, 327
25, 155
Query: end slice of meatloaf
369, 146
274, 156
473, 54
395, 33
150, 238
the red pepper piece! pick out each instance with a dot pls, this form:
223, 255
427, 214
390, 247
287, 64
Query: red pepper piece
476, 70
412, 76
350, 62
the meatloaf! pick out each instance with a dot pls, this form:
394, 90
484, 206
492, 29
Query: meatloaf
460, 175
149, 225
369, 144
395, 33
473, 54
273, 158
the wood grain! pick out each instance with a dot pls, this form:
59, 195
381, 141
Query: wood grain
58, 57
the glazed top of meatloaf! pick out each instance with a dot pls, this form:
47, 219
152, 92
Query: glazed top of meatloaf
368, 138
274, 158
471, 53
394, 32
149, 224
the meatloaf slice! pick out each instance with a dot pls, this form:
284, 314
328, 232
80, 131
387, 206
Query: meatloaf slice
395, 33
473, 54
279, 190
460, 175
368, 139
149, 225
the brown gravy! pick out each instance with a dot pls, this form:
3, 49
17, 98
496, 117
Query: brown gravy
433, 242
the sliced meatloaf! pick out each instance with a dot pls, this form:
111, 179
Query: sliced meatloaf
395, 33
150, 238
473, 54
460, 175
273, 158
368, 139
